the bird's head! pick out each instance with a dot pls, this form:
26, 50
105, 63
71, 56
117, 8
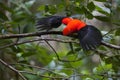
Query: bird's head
56, 21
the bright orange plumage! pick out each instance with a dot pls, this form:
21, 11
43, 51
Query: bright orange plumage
73, 25
89, 36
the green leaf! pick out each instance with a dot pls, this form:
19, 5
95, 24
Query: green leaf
87, 13
104, 12
103, 18
114, 60
41, 8
103, 68
53, 9
100, 10
29, 3
117, 33
91, 6
79, 10
89, 16
77, 49
70, 52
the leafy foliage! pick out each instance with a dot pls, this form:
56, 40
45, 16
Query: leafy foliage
38, 61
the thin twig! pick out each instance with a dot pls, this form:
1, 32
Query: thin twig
52, 49
37, 67
58, 55
65, 77
11, 44
13, 69
34, 40
110, 45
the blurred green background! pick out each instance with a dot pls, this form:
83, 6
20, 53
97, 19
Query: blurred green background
38, 61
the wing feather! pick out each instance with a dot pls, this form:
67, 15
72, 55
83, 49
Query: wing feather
48, 23
90, 37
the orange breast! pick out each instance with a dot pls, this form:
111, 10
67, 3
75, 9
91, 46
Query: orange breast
73, 26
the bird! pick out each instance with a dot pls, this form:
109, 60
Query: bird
88, 35
50, 22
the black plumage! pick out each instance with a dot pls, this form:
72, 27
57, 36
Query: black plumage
90, 37
50, 22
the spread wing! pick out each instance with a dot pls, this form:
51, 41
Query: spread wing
90, 37
50, 22
43, 23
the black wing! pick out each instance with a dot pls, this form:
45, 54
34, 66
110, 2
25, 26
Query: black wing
50, 22
90, 37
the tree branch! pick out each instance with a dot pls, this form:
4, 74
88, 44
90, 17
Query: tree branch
51, 32
29, 34
48, 39
110, 45
13, 69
